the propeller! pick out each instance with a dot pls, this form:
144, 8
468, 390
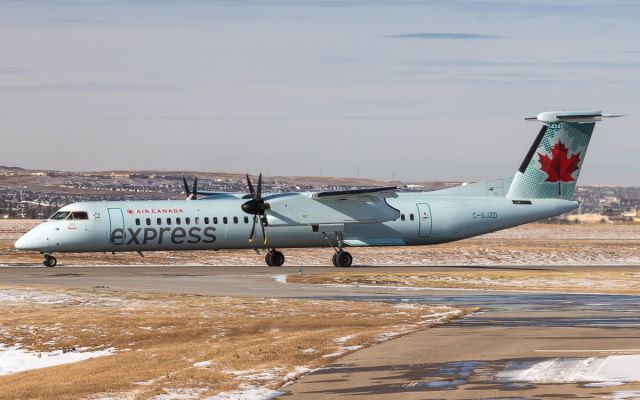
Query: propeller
256, 206
191, 195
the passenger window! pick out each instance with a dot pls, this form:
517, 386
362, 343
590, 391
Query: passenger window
137, 221
224, 220
235, 220
148, 221
187, 220
177, 221
411, 217
197, 220
402, 217
246, 219
215, 220
78, 215
168, 221
206, 220
159, 221
60, 215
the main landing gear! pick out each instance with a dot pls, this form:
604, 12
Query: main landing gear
341, 258
274, 258
49, 261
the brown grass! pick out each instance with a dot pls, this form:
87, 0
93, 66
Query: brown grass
591, 281
160, 337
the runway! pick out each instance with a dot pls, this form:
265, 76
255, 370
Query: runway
463, 358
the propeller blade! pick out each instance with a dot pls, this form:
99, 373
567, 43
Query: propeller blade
260, 186
195, 188
251, 191
186, 186
253, 229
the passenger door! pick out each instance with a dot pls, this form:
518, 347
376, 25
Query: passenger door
424, 220
116, 220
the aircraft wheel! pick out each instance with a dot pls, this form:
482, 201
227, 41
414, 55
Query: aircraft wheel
343, 259
50, 261
334, 259
274, 258
277, 259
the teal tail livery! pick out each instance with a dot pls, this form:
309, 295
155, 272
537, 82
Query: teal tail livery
338, 219
554, 161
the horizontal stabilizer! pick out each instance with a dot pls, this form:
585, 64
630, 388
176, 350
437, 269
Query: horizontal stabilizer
553, 117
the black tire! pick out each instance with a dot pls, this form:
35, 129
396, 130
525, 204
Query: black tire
277, 259
334, 259
268, 260
344, 259
50, 262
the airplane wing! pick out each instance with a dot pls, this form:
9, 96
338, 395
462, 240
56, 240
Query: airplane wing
356, 194
330, 208
217, 195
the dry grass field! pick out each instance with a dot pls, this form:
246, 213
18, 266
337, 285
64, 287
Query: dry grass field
533, 244
575, 281
185, 344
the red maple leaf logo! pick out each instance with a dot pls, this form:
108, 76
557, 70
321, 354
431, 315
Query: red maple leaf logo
559, 167
129, 211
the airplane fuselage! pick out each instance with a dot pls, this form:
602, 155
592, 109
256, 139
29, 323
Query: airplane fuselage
423, 218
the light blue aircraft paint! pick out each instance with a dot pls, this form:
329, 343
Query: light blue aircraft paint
542, 187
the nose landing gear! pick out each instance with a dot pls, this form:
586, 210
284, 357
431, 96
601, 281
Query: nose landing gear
49, 261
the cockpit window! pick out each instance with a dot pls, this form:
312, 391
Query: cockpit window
60, 215
75, 215
78, 215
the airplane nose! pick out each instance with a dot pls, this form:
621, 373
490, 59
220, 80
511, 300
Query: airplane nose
22, 243
32, 240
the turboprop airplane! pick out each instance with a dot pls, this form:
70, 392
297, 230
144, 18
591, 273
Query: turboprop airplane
542, 187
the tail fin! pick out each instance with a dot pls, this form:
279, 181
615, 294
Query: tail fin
554, 161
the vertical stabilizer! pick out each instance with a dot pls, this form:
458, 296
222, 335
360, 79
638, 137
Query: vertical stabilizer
554, 161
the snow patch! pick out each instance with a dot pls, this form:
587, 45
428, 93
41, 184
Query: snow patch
454, 374
435, 384
407, 306
15, 359
602, 384
179, 394
625, 394
386, 336
248, 392
297, 371
41, 297
345, 338
618, 368
203, 364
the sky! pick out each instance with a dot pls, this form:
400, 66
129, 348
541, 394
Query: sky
411, 90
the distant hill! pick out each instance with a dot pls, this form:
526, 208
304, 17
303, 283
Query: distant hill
169, 181
27, 193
